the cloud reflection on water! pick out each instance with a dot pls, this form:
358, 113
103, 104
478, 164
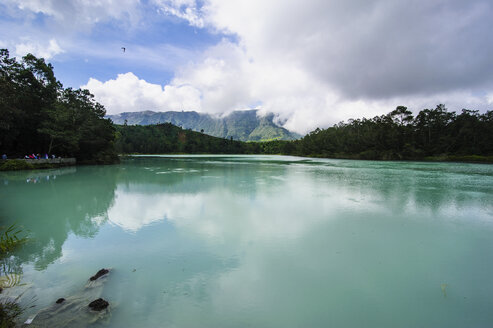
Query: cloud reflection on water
272, 242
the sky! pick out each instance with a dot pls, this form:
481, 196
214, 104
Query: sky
313, 63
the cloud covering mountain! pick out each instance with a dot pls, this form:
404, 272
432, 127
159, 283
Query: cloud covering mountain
313, 63
246, 125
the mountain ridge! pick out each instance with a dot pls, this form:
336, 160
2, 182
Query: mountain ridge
243, 125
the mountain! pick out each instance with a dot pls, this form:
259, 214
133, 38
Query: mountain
241, 125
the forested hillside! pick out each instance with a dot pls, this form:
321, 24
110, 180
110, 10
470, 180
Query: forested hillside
244, 125
434, 134
38, 115
168, 138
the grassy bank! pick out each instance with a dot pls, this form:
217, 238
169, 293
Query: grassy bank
19, 164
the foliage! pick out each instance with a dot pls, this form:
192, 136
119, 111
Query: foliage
9, 311
38, 115
15, 165
432, 134
168, 138
9, 275
9, 240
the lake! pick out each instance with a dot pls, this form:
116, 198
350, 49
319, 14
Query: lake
260, 241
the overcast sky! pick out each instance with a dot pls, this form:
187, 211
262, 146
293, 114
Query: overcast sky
312, 62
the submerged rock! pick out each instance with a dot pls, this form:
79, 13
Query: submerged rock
99, 274
98, 305
60, 300
80, 310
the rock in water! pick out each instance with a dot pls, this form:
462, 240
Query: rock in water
100, 273
98, 305
74, 311
60, 300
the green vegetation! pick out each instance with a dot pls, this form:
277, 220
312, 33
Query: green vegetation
15, 165
434, 134
37, 115
9, 311
168, 138
243, 125
9, 275
9, 270
19, 164
9, 240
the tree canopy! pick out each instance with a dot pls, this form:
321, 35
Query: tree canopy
399, 135
434, 134
38, 115
168, 138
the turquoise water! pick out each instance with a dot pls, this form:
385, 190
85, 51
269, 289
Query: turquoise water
261, 241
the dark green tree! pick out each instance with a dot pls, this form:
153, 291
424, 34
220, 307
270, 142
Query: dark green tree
37, 115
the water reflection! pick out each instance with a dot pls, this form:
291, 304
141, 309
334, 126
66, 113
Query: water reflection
206, 193
50, 205
269, 242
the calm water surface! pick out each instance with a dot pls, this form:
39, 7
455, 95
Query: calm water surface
261, 241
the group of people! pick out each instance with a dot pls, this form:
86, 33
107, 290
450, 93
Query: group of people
38, 156
33, 156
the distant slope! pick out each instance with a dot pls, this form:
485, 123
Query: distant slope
165, 138
241, 125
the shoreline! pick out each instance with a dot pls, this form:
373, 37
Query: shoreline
471, 159
468, 159
41, 164
35, 164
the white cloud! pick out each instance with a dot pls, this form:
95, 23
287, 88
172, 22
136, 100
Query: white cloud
78, 13
129, 93
367, 49
46, 51
184, 9
226, 79
325, 61
489, 97
315, 64
66, 24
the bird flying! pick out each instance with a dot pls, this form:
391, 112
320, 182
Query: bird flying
123, 48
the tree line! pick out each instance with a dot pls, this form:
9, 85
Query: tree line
168, 138
39, 115
434, 134
431, 134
